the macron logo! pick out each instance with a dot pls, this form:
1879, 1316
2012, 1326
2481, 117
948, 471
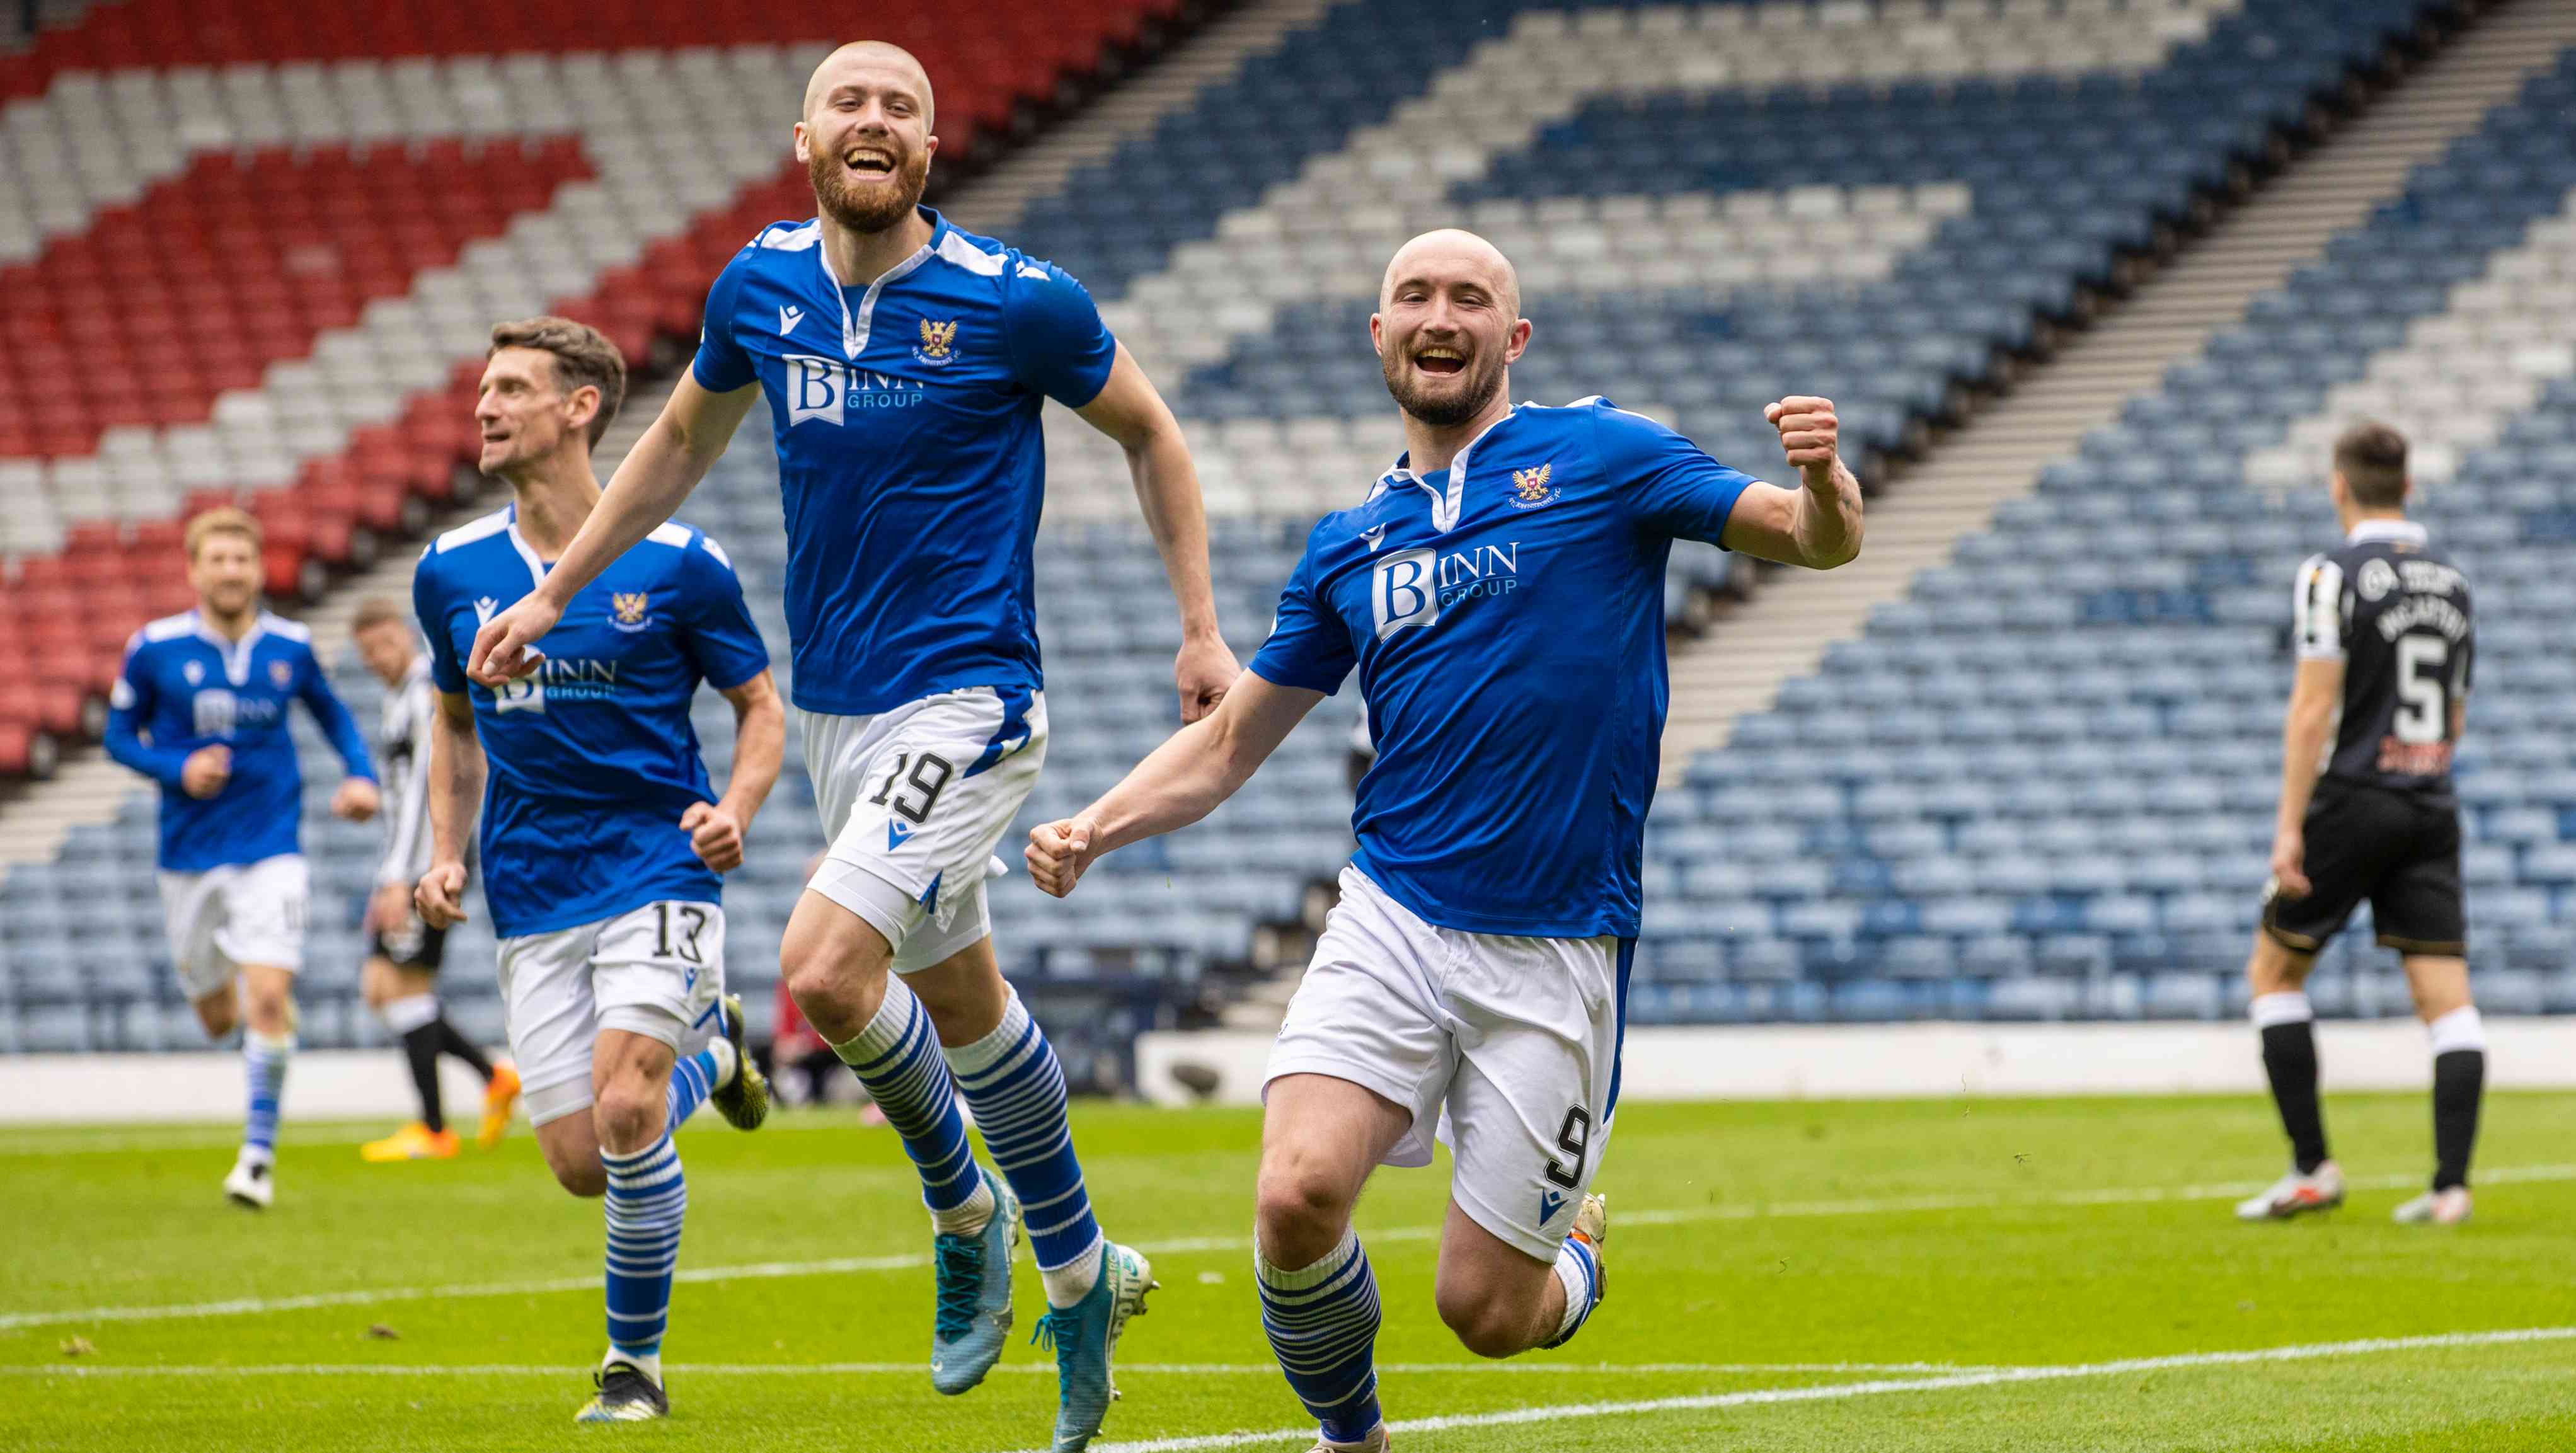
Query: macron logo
896, 832
1549, 1203
1375, 535
484, 606
788, 318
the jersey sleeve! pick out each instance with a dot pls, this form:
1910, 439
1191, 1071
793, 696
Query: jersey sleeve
2316, 611
1057, 344
722, 639
1668, 483
445, 672
1308, 647
407, 835
338, 723
721, 365
129, 710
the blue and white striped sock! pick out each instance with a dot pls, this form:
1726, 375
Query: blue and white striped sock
1015, 1084
1322, 1324
691, 1079
646, 1199
1578, 1270
264, 1061
897, 1058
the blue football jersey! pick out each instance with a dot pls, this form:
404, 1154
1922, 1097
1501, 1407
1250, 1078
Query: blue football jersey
185, 686
910, 461
1506, 615
592, 758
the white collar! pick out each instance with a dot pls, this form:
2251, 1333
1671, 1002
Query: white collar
236, 654
1447, 505
2404, 531
855, 327
527, 552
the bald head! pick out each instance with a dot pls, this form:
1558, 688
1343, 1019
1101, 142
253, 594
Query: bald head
874, 64
1452, 254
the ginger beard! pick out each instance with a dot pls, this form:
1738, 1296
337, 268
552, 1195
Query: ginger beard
1438, 391
867, 206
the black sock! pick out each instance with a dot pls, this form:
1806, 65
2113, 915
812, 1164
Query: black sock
452, 1043
2290, 1060
2459, 1078
420, 1047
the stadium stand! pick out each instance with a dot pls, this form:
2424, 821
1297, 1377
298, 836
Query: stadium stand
2034, 789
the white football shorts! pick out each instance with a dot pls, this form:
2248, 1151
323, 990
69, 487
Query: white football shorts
657, 971
241, 913
914, 801
1508, 1046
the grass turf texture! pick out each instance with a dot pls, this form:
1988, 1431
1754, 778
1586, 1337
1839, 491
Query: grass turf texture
1752, 1246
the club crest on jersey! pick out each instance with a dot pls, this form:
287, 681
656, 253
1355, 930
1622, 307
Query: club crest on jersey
195, 671
938, 342
2376, 579
1534, 486
630, 610
281, 673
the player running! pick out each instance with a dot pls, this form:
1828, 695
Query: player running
2384, 637
400, 977
906, 363
200, 708
1501, 592
602, 838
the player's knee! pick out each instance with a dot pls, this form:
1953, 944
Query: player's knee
583, 1177
1300, 1212
1484, 1326
628, 1115
266, 1006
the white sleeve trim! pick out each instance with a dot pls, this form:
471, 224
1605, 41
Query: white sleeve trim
2317, 611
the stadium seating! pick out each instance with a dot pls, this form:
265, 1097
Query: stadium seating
2037, 788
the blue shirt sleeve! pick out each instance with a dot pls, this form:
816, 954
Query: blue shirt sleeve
129, 708
1309, 647
1057, 344
333, 716
721, 639
445, 672
1669, 485
721, 365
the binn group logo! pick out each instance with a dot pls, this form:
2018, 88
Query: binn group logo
1410, 588
829, 390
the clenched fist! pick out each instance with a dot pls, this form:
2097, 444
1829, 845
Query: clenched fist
1809, 434
1058, 852
440, 896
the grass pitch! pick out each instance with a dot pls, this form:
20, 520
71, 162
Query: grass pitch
2034, 1275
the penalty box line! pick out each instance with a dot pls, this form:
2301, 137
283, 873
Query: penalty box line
1779, 1210
1843, 1391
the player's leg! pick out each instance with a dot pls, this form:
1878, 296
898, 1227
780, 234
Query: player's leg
191, 910
2419, 912
1355, 1081
262, 930
407, 1002
1321, 1138
2342, 861
1530, 1106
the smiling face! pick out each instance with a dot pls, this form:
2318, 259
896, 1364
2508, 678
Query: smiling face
523, 411
1448, 326
225, 572
865, 137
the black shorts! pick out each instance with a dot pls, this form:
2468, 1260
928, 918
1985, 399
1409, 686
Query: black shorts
412, 945
2399, 851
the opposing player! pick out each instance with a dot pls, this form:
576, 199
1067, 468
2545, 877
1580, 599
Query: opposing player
200, 708
1501, 595
602, 837
2385, 641
400, 976
906, 364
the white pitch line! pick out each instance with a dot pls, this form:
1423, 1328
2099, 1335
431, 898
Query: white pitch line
914, 1369
1747, 1211
1835, 1392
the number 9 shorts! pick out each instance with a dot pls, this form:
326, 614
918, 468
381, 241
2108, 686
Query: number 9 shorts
1508, 1046
657, 971
914, 802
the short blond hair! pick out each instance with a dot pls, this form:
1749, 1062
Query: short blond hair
221, 520
379, 610
584, 358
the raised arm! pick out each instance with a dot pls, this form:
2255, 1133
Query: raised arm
1817, 525
1129, 410
1182, 781
716, 830
455, 792
675, 453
